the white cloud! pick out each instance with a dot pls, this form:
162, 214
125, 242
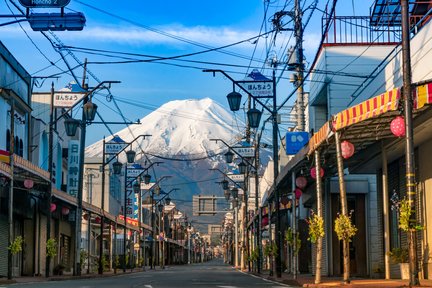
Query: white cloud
139, 36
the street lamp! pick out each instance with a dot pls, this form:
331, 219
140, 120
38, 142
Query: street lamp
225, 184
89, 114
130, 156
117, 167
254, 117
234, 193
89, 110
71, 126
147, 178
136, 187
242, 167
229, 157
234, 100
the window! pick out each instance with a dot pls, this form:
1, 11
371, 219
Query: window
8, 138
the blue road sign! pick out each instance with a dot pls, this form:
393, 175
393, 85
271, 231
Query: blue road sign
295, 141
44, 3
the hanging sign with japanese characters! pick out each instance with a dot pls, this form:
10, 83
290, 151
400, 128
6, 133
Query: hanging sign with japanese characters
257, 84
245, 151
67, 99
73, 168
131, 204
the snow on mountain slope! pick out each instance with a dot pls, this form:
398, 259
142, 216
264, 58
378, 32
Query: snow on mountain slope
180, 128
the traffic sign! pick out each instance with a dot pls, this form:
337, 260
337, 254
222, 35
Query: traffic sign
295, 141
44, 3
57, 21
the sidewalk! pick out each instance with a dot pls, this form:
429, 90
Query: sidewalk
35, 279
307, 280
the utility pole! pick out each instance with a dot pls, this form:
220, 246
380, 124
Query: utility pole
298, 32
409, 143
50, 169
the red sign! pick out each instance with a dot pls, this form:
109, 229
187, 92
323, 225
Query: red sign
130, 221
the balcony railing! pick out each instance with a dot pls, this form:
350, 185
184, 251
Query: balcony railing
357, 30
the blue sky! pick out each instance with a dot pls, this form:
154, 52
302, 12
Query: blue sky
149, 27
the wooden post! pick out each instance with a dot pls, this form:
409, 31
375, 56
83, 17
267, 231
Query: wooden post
385, 211
344, 207
319, 243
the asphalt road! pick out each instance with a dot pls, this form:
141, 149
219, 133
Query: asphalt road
205, 275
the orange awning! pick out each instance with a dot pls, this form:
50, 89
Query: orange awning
319, 137
422, 95
378, 105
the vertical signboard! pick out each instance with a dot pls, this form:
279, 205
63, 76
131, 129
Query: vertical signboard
73, 167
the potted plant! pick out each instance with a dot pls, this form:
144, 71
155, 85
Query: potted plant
400, 256
16, 246
270, 251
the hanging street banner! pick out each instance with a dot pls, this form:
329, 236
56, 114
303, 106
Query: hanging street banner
67, 99
73, 167
257, 84
247, 152
44, 3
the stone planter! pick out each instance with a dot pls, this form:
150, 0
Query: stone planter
404, 269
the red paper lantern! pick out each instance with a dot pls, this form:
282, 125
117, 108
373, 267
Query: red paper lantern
98, 220
86, 216
53, 207
347, 149
284, 200
264, 221
313, 172
298, 193
28, 183
301, 182
397, 126
65, 210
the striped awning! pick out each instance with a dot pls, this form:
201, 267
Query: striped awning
422, 95
371, 108
5, 169
30, 167
319, 137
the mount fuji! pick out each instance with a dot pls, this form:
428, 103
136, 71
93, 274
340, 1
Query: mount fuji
180, 137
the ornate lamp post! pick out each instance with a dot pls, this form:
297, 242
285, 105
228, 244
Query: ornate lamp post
254, 117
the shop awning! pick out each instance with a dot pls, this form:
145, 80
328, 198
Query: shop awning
5, 170
30, 167
374, 107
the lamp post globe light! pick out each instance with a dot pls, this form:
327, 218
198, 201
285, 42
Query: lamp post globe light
254, 117
147, 178
130, 156
242, 167
234, 99
225, 184
117, 167
71, 126
89, 110
136, 187
234, 193
229, 157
